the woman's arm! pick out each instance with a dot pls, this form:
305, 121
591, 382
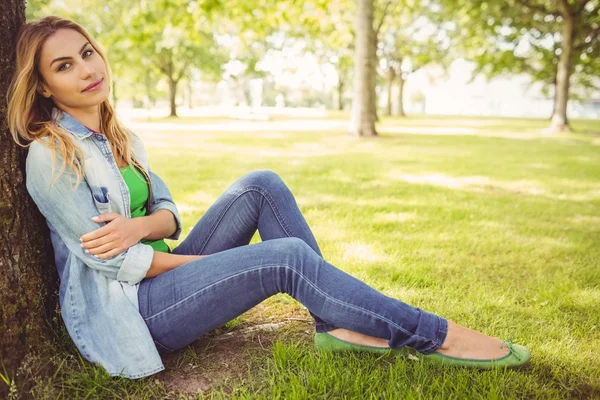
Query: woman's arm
70, 213
163, 262
158, 225
162, 200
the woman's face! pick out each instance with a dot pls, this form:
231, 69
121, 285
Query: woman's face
69, 65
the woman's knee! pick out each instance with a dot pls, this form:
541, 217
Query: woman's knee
264, 179
291, 246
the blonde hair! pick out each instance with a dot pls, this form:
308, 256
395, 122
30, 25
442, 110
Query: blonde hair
30, 113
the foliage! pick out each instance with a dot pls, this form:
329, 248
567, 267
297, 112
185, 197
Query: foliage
409, 36
329, 32
524, 36
172, 37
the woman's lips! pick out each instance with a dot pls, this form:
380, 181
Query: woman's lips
94, 86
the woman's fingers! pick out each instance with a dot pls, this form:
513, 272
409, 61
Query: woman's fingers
93, 244
102, 231
101, 248
111, 253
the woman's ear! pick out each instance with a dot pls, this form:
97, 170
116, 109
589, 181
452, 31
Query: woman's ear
41, 89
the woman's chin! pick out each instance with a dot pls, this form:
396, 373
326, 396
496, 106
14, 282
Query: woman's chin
95, 101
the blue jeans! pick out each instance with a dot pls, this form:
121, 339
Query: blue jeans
184, 303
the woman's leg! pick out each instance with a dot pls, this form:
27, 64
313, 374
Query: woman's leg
261, 201
183, 304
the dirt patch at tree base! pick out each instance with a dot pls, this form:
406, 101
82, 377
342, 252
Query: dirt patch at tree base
224, 357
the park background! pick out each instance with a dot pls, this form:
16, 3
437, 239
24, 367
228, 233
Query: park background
443, 151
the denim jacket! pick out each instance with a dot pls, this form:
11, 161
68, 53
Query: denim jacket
98, 297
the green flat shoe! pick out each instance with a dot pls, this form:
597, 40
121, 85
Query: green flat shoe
326, 342
517, 357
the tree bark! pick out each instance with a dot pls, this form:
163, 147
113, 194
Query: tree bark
559, 121
374, 61
401, 112
28, 276
172, 96
362, 119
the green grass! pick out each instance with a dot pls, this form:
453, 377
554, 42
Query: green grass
496, 228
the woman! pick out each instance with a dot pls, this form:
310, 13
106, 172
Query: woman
124, 294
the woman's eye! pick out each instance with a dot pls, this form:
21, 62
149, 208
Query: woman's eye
86, 54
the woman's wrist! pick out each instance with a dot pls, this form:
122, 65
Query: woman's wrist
142, 226
158, 225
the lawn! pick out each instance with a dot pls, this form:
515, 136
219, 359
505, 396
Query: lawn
485, 221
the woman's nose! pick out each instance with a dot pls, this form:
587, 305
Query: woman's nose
86, 70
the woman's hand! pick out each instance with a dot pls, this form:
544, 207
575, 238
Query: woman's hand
119, 234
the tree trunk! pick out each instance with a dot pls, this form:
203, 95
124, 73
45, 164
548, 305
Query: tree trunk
340, 94
362, 119
172, 96
391, 75
554, 97
148, 87
554, 93
28, 277
559, 120
374, 61
401, 112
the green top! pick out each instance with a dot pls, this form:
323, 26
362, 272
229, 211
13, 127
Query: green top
138, 190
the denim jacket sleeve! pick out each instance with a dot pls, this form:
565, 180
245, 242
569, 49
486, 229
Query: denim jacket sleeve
162, 199
70, 211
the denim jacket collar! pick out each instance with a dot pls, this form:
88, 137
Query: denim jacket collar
69, 123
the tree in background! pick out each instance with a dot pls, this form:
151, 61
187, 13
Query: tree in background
247, 45
554, 41
363, 114
330, 35
409, 41
174, 36
330, 28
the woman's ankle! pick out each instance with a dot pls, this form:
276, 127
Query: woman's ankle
451, 337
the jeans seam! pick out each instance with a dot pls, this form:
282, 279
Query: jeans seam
259, 190
207, 287
217, 222
166, 348
265, 193
303, 277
